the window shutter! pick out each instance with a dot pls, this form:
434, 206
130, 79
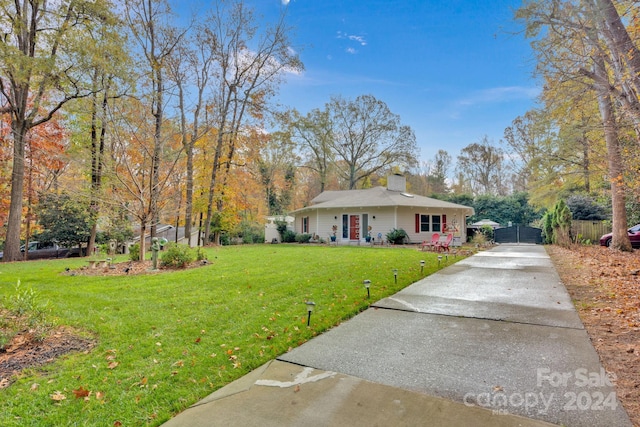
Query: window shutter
417, 223
444, 223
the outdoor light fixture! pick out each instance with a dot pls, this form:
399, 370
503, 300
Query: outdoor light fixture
421, 266
395, 275
367, 284
310, 307
439, 259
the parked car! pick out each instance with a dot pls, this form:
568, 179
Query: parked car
634, 236
42, 250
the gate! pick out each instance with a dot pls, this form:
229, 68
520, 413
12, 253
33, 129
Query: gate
518, 234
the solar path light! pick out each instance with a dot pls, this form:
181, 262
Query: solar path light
310, 306
367, 284
422, 266
395, 275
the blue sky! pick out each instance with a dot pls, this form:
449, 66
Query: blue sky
453, 70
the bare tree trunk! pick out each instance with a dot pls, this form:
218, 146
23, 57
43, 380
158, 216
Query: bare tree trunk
586, 163
12, 242
620, 41
95, 160
620, 239
143, 240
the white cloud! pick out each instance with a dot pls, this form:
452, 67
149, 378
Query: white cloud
351, 50
285, 2
358, 39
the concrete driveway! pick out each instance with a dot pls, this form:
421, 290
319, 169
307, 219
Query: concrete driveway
492, 340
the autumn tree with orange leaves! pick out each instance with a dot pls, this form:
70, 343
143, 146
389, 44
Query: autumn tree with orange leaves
43, 65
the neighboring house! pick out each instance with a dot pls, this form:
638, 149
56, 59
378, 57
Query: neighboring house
271, 228
382, 209
165, 231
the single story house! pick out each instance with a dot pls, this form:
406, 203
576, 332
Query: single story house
354, 214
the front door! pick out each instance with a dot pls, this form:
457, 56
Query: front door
354, 227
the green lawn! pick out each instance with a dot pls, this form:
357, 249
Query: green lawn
178, 336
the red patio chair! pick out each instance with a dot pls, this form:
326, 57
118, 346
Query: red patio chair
433, 244
444, 246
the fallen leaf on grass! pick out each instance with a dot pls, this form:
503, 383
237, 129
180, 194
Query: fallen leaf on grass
112, 365
58, 397
81, 392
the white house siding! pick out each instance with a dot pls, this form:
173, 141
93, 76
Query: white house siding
322, 221
384, 222
386, 219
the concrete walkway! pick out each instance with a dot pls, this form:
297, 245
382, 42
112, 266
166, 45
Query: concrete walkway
493, 340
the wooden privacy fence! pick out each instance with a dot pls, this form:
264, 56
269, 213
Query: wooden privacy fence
592, 230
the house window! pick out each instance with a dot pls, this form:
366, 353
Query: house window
305, 224
365, 225
424, 223
435, 223
427, 223
345, 226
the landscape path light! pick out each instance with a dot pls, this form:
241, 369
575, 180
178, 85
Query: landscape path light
310, 306
439, 259
395, 275
367, 284
422, 266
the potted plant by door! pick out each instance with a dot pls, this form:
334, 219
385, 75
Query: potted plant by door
368, 236
334, 230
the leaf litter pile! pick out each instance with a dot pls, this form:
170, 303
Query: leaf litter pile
605, 288
129, 268
28, 350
